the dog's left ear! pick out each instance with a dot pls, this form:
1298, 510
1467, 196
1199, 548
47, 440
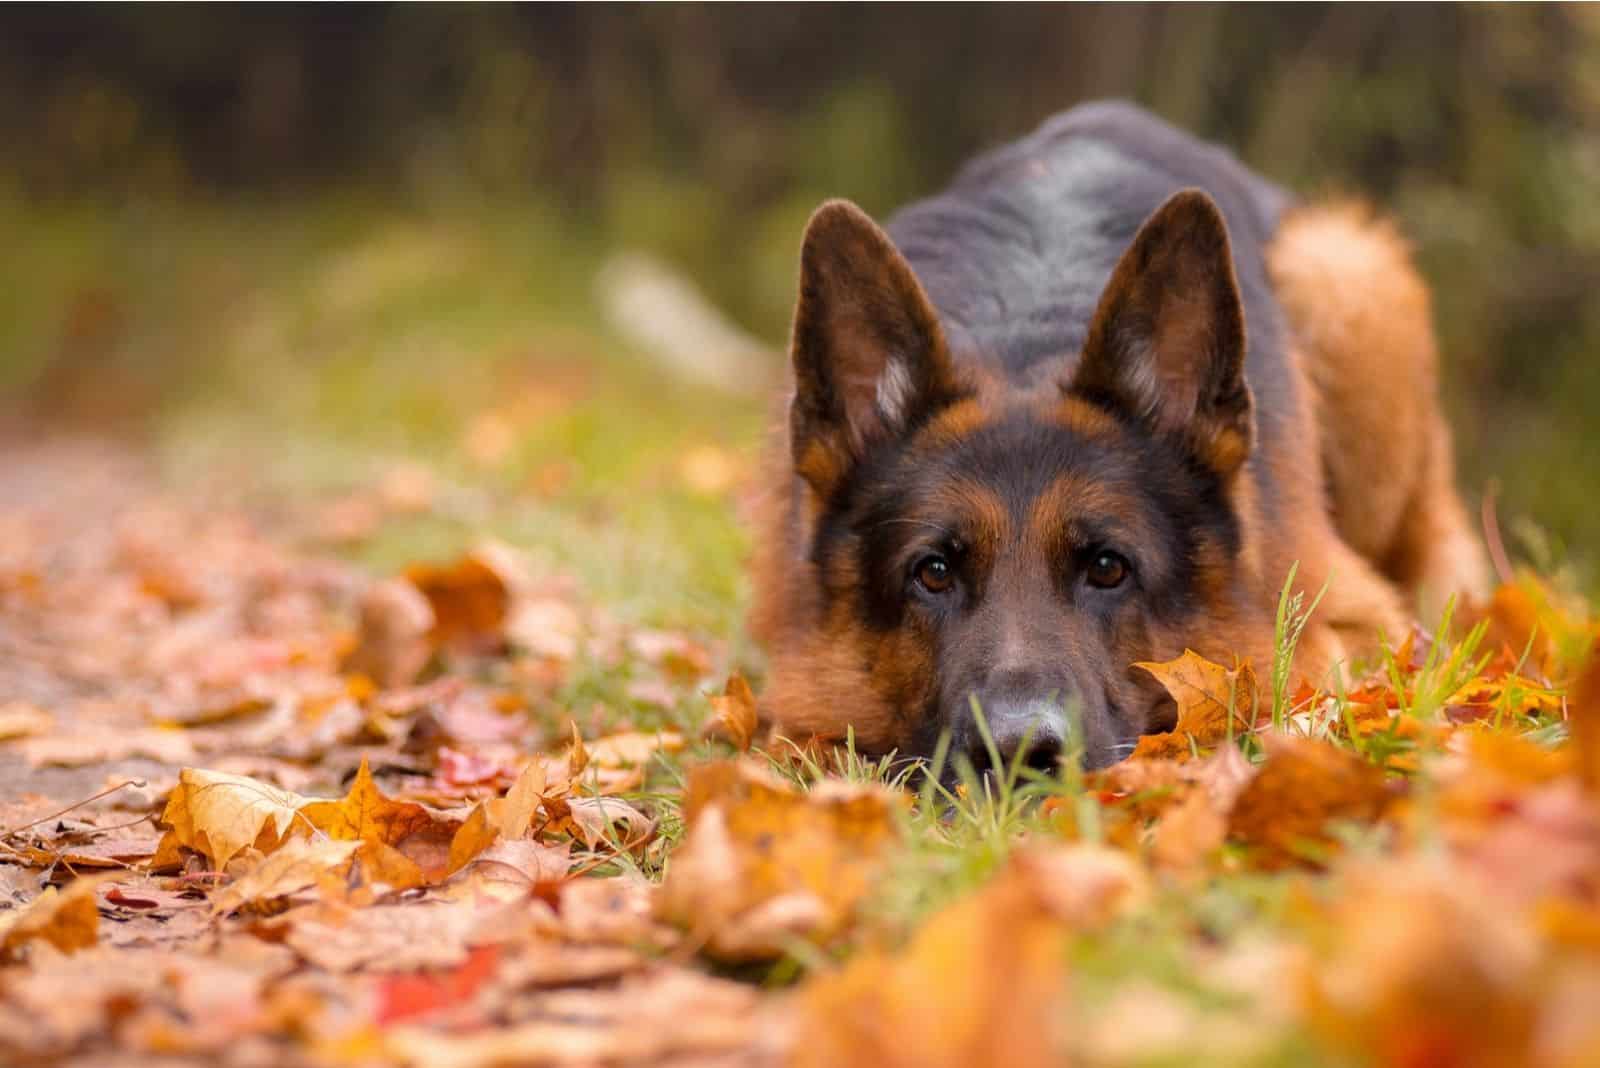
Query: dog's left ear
1167, 341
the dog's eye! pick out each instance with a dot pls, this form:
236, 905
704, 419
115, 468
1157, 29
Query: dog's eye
935, 574
1106, 570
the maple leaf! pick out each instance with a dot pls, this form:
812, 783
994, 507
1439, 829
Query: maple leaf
218, 814
1213, 704
734, 717
1282, 813
763, 863
366, 815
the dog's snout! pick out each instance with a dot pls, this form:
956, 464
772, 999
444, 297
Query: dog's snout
1027, 731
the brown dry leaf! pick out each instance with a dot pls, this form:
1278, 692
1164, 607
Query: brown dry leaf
982, 982
1213, 703
617, 761
67, 919
217, 814
763, 863
1282, 813
604, 819
532, 862
1583, 724
577, 757
499, 818
734, 718
298, 865
471, 598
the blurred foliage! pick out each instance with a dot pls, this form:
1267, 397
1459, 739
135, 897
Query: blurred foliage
137, 136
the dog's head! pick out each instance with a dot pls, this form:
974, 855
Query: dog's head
981, 546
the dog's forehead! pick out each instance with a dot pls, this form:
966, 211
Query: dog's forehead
1022, 455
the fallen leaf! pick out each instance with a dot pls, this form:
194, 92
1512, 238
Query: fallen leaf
753, 840
1283, 812
984, 981
217, 814
1418, 968
299, 865
632, 748
734, 718
661, 1016
605, 819
402, 997
471, 598
499, 818
1214, 703
67, 919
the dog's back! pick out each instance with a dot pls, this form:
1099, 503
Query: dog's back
1016, 251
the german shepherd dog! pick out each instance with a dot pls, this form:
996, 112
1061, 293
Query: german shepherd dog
1085, 408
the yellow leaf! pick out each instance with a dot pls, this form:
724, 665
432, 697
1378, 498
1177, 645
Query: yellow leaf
297, 866
1213, 702
632, 749
502, 817
67, 919
763, 863
365, 814
578, 758
218, 814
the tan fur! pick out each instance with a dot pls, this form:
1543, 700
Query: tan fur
1362, 322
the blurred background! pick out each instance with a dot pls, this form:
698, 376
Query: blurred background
320, 242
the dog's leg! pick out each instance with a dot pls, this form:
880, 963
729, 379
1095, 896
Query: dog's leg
1361, 319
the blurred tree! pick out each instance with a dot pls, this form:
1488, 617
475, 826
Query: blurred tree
706, 133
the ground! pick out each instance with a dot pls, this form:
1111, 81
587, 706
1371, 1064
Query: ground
373, 691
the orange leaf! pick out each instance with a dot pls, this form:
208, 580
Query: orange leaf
762, 863
365, 814
734, 717
1283, 812
1584, 724
1213, 702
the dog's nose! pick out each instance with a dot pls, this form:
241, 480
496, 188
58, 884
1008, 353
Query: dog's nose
1029, 732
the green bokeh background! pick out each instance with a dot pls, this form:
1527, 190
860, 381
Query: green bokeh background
354, 226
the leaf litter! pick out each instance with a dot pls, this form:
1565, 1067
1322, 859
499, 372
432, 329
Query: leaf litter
264, 807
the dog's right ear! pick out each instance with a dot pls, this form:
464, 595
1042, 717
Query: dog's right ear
870, 361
